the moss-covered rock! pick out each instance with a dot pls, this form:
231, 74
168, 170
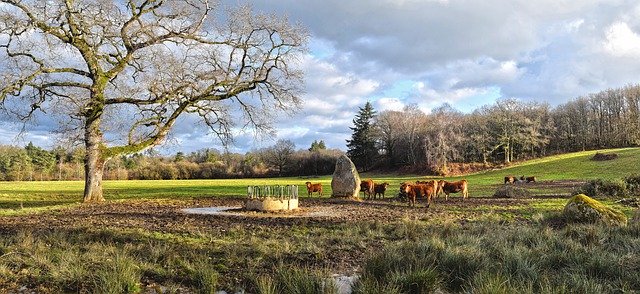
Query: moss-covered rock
582, 208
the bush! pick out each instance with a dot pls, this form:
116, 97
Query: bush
633, 184
510, 191
604, 156
604, 188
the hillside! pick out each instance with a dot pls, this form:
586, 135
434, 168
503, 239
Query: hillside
573, 167
557, 174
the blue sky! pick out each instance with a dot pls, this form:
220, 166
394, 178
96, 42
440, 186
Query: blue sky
466, 53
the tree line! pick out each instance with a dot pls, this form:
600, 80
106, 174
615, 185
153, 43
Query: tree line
33, 163
499, 133
432, 142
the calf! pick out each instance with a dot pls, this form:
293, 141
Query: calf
314, 188
367, 187
379, 189
453, 187
528, 179
510, 179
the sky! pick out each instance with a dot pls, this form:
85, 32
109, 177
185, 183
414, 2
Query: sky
467, 53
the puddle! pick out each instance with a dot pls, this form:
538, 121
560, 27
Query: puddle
238, 211
219, 210
344, 284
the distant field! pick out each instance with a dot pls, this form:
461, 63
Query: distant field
572, 166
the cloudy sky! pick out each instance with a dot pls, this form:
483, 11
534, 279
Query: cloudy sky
427, 52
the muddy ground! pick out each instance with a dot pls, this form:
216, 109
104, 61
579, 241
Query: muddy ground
169, 215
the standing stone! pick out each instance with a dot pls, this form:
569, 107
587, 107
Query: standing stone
345, 181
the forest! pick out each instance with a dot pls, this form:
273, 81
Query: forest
436, 142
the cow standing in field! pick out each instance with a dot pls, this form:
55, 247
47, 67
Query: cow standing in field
413, 191
510, 179
367, 187
453, 187
528, 179
430, 189
314, 188
379, 189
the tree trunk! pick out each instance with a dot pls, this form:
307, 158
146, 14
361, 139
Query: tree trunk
93, 162
506, 153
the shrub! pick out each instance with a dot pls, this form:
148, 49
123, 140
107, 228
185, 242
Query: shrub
510, 191
604, 188
633, 184
604, 156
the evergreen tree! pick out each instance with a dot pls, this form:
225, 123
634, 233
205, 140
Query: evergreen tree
362, 146
317, 146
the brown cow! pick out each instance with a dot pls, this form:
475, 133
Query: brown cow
366, 187
432, 185
528, 179
453, 187
510, 179
379, 189
413, 191
314, 188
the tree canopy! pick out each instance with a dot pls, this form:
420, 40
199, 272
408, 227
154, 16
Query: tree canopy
137, 66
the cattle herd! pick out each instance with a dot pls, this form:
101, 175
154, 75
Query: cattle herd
408, 191
420, 189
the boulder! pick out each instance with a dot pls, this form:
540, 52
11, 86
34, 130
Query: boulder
582, 208
345, 181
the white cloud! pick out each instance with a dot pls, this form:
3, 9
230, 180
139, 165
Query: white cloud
389, 103
457, 52
621, 41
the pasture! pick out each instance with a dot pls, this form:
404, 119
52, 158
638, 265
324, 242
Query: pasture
141, 241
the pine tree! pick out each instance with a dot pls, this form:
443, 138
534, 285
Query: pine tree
362, 147
317, 146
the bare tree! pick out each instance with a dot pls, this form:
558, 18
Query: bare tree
279, 155
444, 137
389, 125
142, 64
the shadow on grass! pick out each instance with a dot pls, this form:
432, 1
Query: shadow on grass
22, 204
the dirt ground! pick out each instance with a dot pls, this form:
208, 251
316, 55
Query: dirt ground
169, 216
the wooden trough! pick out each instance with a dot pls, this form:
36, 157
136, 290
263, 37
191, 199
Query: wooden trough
272, 198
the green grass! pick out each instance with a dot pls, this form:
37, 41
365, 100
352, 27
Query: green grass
570, 166
28, 197
492, 248
508, 259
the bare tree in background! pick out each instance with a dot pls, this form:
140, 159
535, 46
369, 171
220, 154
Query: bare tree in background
279, 155
444, 137
143, 64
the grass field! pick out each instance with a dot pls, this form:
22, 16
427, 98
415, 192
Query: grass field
572, 166
140, 241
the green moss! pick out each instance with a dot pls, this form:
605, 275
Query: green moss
584, 208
